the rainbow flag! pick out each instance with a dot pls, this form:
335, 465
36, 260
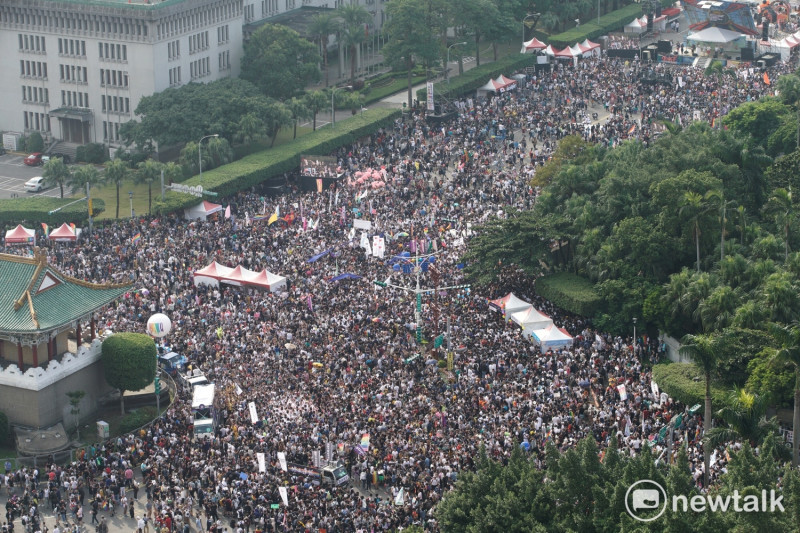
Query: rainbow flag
632, 129
365, 441
46, 229
136, 238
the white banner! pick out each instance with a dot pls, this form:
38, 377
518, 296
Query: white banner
253, 412
315, 458
430, 96
623, 394
362, 224
400, 499
364, 240
282, 461
262, 462
654, 388
378, 246
284, 495
238, 390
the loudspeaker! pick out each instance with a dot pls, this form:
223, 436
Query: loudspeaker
765, 31
747, 54
664, 47
649, 22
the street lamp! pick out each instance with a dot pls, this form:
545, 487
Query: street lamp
523, 25
447, 65
200, 152
333, 111
130, 197
634, 336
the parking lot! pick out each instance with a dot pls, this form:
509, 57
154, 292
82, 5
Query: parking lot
14, 173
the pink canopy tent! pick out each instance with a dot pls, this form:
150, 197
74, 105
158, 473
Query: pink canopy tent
566, 52
63, 234
202, 210
20, 235
214, 274
532, 46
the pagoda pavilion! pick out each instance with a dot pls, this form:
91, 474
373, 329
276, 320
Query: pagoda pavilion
41, 309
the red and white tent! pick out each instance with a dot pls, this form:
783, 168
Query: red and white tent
202, 210
532, 46
589, 48
64, 233
214, 274
500, 85
20, 235
509, 304
568, 52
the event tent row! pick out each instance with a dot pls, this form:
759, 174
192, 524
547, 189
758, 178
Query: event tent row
20, 235
215, 273
534, 324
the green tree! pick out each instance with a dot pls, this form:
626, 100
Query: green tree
279, 62
129, 362
352, 20
745, 419
148, 172
56, 174
34, 142
788, 354
782, 206
75, 398
315, 101
477, 17
322, 26
251, 128
275, 115
82, 175
409, 40
297, 107
704, 351
694, 207
116, 172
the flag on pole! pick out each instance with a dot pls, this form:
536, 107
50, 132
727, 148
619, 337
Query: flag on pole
228, 212
766, 79
136, 238
46, 229
272, 219
632, 129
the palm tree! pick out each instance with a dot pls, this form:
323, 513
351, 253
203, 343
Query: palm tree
322, 26
352, 21
696, 205
789, 354
149, 171
705, 351
116, 172
297, 107
315, 101
781, 205
56, 173
251, 128
745, 419
82, 175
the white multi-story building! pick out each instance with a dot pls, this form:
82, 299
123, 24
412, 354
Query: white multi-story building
75, 70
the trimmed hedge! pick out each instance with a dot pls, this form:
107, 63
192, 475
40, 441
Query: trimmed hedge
478, 76
35, 210
136, 419
569, 291
259, 167
685, 383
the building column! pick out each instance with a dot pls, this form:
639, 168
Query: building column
78, 333
35, 349
93, 326
50, 348
20, 362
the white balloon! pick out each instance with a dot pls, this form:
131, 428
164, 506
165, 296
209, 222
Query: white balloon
159, 325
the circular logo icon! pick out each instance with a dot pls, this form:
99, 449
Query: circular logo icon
645, 500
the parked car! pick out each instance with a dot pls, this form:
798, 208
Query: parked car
34, 160
34, 184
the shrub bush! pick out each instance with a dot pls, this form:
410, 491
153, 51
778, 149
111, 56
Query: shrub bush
92, 153
685, 383
136, 419
35, 143
262, 166
36, 209
570, 292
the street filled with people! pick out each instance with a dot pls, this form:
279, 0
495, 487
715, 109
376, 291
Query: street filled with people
330, 360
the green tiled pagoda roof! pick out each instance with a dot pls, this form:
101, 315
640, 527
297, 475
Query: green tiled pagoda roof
36, 297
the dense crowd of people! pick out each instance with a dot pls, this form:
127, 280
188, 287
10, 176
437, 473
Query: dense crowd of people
328, 362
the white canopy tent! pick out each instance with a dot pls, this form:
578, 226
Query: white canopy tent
531, 319
551, 337
509, 304
716, 35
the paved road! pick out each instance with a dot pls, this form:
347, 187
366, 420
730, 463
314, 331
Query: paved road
14, 173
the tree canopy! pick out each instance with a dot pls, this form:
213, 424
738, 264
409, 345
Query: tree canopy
129, 362
279, 62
